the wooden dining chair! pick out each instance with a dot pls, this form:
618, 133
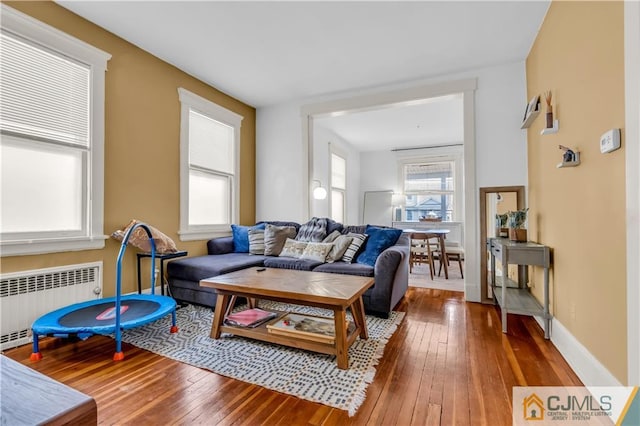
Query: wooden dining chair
422, 251
454, 253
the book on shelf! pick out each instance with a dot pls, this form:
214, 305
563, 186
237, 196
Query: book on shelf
249, 317
305, 327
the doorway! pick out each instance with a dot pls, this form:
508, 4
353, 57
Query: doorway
406, 96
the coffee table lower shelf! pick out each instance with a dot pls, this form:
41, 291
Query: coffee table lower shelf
262, 333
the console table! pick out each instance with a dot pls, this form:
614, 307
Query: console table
515, 297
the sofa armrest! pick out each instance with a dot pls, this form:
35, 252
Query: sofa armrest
222, 245
391, 274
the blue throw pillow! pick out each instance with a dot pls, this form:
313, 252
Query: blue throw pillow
241, 237
379, 240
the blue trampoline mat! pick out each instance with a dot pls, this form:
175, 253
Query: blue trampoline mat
98, 316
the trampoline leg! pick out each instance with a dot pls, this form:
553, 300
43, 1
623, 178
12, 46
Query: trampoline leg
36, 355
119, 355
174, 327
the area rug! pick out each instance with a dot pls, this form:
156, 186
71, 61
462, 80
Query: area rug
308, 375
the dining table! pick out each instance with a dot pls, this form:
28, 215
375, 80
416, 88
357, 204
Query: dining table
441, 234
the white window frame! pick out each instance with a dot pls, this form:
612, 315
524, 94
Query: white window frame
190, 101
34, 31
447, 154
333, 150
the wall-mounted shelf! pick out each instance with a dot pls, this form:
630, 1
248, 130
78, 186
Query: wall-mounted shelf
573, 163
551, 130
531, 112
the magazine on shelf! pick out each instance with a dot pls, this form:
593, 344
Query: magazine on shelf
306, 327
249, 317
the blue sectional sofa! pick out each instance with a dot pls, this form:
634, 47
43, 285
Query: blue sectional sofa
390, 270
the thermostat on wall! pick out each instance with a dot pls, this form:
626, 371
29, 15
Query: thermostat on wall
610, 141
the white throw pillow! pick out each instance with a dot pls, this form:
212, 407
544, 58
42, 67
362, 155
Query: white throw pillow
293, 248
317, 251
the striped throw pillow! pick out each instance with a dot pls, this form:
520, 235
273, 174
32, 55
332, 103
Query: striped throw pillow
256, 241
356, 243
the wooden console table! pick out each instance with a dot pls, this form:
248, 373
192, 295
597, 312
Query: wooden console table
515, 297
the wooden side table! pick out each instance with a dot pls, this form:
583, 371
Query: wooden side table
162, 257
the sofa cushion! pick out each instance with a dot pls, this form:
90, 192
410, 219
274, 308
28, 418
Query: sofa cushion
291, 263
275, 237
332, 225
354, 247
353, 229
293, 248
314, 230
340, 245
281, 223
316, 251
346, 268
200, 267
378, 240
240, 236
256, 241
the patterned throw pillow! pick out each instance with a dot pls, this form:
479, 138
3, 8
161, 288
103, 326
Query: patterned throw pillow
356, 243
275, 237
314, 230
140, 239
316, 251
340, 245
256, 241
293, 248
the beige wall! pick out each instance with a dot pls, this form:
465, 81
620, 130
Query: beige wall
580, 212
142, 142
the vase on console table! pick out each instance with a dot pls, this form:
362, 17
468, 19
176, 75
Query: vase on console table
518, 234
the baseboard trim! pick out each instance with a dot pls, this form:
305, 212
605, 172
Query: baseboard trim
590, 371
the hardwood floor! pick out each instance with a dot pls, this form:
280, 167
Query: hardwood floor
448, 363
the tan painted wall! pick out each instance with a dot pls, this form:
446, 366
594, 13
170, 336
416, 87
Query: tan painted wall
580, 212
142, 142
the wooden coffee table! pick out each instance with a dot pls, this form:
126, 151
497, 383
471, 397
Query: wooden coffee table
336, 292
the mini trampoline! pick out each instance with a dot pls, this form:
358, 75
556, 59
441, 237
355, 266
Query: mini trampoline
109, 315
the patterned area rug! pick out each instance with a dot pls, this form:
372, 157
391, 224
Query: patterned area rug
312, 376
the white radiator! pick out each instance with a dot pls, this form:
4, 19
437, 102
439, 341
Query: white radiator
27, 295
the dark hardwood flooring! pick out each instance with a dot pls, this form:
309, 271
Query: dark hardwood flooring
447, 364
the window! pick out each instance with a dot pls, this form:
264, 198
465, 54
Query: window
338, 187
52, 145
430, 189
209, 167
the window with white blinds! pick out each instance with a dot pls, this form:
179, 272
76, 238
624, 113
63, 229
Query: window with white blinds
52, 139
210, 138
44, 95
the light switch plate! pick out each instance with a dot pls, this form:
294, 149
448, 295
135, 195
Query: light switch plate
610, 141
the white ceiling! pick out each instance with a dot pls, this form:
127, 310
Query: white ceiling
436, 121
269, 52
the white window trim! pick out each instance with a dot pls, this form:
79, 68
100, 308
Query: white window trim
433, 155
38, 32
333, 149
189, 101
